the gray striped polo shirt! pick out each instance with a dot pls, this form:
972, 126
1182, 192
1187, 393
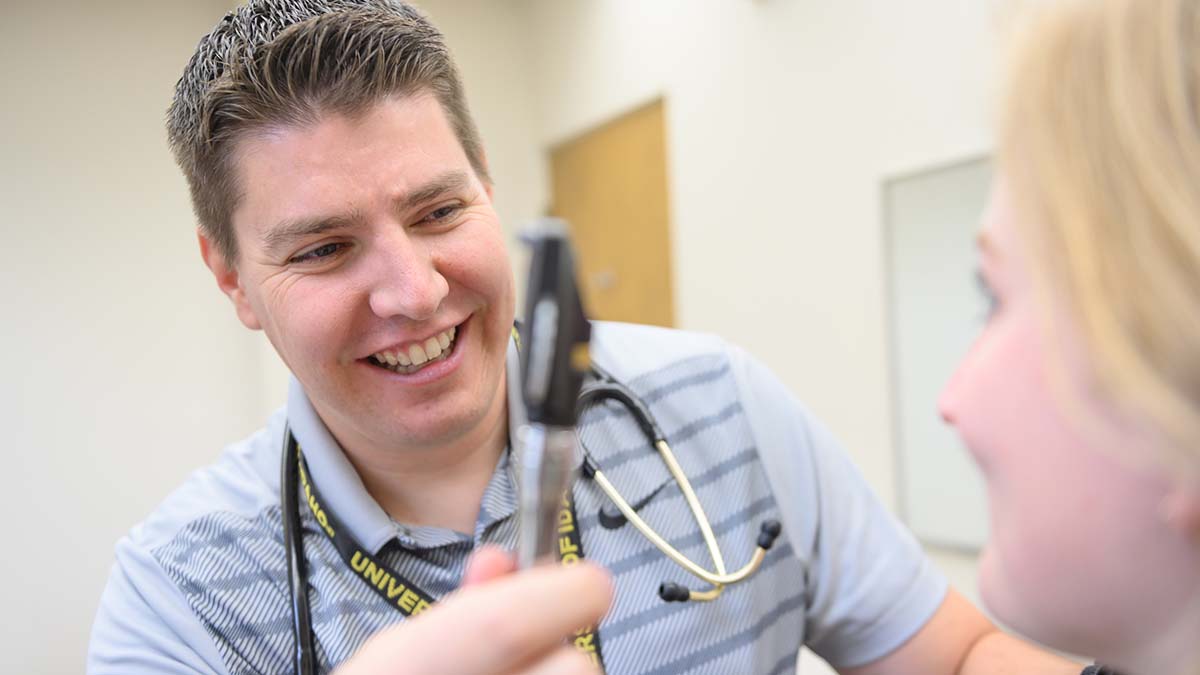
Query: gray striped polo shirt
201, 585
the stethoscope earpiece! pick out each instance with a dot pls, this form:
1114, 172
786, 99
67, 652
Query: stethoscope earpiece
768, 534
670, 591
673, 592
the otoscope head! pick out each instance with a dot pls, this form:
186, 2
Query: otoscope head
556, 330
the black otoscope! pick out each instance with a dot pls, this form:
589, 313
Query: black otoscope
555, 342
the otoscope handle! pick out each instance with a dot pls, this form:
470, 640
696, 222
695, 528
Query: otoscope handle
547, 470
555, 341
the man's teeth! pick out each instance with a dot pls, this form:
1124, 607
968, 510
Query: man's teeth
411, 357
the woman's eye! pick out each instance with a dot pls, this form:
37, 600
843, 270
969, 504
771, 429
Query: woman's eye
989, 295
318, 254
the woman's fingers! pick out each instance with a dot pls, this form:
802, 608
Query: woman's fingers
486, 564
561, 661
511, 622
519, 618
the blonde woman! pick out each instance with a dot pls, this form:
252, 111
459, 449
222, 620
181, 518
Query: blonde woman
1081, 398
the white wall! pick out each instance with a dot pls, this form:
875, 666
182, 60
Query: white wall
783, 118
124, 368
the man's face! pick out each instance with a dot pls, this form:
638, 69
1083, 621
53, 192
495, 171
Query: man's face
371, 256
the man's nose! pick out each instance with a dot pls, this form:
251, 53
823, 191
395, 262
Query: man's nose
405, 280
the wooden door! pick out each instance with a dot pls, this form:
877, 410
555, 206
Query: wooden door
610, 185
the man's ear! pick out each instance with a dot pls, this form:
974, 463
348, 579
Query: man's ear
1181, 510
228, 280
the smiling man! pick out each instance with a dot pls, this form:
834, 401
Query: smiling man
346, 211
369, 252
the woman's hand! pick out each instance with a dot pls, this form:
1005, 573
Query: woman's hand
499, 622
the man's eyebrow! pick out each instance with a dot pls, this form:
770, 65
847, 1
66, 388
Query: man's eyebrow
285, 232
446, 183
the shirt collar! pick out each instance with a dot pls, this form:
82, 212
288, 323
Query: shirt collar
340, 486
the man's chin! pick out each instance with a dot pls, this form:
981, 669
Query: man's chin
427, 430
422, 437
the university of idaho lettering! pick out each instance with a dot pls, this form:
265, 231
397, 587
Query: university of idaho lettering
313, 505
409, 602
568, 551
585, 642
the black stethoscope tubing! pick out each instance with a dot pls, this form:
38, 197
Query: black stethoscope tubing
293, 542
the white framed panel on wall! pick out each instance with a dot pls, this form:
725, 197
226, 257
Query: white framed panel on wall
936, 309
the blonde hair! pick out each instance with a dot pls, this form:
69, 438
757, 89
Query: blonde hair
1100, 138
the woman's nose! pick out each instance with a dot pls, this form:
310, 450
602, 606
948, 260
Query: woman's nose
948, 400
406, 282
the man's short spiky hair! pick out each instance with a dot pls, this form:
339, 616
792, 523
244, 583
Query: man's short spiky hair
287, 62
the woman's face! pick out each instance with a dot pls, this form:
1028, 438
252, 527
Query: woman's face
1079, 556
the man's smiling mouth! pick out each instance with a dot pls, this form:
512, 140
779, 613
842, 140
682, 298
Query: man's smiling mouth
413, 356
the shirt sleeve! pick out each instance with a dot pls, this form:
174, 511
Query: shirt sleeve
869, 586
145, 625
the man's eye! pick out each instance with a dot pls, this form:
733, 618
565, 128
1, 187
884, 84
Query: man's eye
318, 254
442, 213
